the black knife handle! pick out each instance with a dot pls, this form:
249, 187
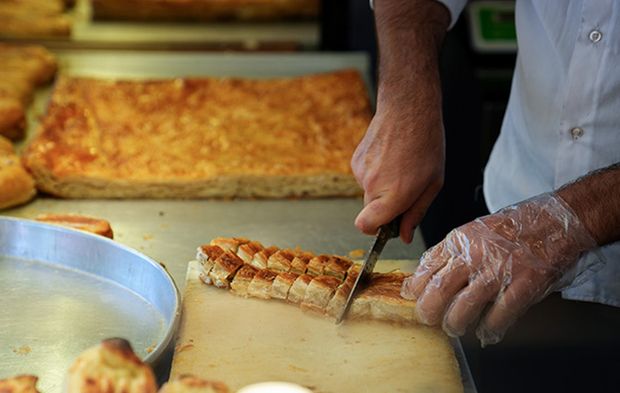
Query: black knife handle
392, 229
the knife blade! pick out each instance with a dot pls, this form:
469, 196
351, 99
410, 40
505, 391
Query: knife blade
386, 232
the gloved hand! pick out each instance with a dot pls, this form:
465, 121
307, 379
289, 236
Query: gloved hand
508, 260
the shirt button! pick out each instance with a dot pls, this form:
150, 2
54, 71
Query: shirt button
576, 132
595, 36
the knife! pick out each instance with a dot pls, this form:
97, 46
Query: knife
386, 232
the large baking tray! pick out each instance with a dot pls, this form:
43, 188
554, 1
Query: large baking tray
64, 291
170, 231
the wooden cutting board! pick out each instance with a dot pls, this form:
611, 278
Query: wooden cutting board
242, 341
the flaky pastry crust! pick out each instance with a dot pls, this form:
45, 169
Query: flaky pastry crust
198, 138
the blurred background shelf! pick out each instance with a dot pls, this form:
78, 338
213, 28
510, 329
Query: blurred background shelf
88, 32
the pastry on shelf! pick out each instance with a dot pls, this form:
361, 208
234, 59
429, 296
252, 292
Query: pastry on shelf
24, 68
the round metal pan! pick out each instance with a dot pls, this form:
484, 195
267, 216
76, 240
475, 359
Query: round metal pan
63, 291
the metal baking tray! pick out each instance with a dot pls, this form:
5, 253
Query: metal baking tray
64, 291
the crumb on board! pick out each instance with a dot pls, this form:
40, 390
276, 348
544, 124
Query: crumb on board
147, 236
23, 350
295, 368
357, 253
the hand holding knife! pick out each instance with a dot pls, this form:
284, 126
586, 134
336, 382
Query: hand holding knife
385, 233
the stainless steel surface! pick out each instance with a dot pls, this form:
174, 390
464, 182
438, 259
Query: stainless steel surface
170, 231
386, 232
153, 64
64, 291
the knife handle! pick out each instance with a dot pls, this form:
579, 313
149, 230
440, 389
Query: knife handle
392, 229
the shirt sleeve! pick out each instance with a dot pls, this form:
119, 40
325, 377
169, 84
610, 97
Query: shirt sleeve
455, 7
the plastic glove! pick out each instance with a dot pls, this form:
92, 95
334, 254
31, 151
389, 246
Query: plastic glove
508, 260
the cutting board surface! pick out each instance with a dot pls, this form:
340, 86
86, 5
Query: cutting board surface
242, 341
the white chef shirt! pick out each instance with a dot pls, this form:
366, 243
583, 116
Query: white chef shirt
563, 116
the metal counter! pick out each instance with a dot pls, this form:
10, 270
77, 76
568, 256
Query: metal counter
170, 230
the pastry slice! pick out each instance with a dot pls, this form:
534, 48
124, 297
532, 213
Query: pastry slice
319, 292
241, 282
111, 366
207, 255
12, 118
336, 304
282, 284
298, 290
316, 266
16, 185
18, 24
80, 222
246, 251
192, 384
19, 384
35, 63
280, 261
229, 243
260, 259
337, 267
224, 268
23, 68
299, 264
260, 286
381, 299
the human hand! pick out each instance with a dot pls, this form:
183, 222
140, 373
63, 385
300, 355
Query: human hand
510, 260
400, 165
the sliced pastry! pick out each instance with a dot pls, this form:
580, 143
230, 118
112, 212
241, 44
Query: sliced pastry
243, 278
280, 261
316, 266
282, 284
247, 251
260, 286
111, 366
229, 243
299, 264
207, 255
298, 290
260, 259
19, 384
319, 292
337, 267
337, 302
224, 268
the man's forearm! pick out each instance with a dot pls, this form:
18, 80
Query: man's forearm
410, 33
595, 198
